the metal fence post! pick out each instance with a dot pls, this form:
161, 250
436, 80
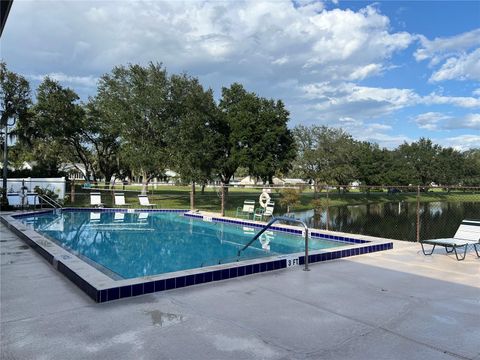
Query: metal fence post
418, 213
223, 199
192, 196
328, 211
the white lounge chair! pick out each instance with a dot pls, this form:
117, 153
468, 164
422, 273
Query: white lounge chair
262, 213
96, 199
120, 200
143, 199
247, 210
468, 233
14, 199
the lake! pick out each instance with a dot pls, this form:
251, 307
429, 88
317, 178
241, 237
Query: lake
395, 220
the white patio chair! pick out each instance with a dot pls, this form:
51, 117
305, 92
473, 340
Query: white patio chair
247, 210
262, 214
143, 199
96, 199
120, 200
468, 233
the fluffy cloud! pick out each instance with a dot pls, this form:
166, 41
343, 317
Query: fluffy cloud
462, 67
439, 121
83, 81
322, 62
440, 48
458, 56
460, 101
372, 131
463, 142
346, 99
430, 120
469, 121
301, 38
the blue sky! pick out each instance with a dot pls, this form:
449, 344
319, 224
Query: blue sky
386, 72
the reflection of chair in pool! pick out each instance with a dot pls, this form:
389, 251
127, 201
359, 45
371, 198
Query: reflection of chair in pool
247, 210
120, 200
265, 239
14, 199
118, 217
143, 217
95, 217
248, 230
96, 199
468, 233
143, 199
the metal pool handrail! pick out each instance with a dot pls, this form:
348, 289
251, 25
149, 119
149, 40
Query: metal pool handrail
50, 201
271, 222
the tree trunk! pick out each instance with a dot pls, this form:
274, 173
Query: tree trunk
108, 177
146, 180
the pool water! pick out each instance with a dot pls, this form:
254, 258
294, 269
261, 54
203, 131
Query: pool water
130, 245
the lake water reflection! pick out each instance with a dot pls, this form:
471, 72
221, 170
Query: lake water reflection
394, 220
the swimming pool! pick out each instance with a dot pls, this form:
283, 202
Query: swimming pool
129, 245
112, 253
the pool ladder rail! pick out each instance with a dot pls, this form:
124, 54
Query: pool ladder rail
48, 200
270, 223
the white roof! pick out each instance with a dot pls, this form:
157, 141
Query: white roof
171, 173
294, 181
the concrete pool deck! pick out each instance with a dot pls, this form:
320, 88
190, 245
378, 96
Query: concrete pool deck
395, 304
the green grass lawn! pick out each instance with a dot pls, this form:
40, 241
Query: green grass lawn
178, 197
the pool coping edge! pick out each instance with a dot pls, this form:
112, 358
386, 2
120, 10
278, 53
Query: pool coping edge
101, 288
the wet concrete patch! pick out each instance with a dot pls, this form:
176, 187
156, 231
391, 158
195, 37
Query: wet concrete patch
163, 319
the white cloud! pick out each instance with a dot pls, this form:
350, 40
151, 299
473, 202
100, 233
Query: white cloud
439, 121
280, 61
458, 56
84, 81
317, 59
461, 101
462, 67
349, 100
443, 47
373, 132
365, 71
462, 142
469, 121
207, 36
430, 120
335, 95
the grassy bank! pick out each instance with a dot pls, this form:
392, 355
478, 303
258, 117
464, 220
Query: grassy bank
178, 197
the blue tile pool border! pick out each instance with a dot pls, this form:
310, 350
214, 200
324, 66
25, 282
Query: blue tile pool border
290, 230
101, 288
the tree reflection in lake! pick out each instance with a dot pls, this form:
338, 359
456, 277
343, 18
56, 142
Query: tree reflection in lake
394, 220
